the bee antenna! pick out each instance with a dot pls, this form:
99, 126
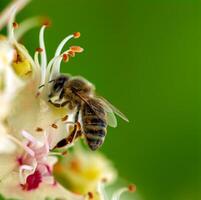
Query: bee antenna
44, 84
52, 81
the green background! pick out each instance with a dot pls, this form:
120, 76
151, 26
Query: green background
145, 57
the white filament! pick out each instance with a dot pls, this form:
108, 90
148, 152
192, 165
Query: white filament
118, 193
62, 43
25, 147
43, 54
26, 25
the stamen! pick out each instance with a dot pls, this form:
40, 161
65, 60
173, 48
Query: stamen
20, 48
117, 195
62, 43
28, 24
29, 137
7, 12
132, 188
43, 55
25, 147
39, 50
76, 49
76, 34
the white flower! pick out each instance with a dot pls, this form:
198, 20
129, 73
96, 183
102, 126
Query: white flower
32, 99
27, 173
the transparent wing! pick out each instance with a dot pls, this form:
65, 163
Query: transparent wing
114, 109
100, 108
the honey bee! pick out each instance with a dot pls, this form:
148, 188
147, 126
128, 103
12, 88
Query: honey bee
96, 112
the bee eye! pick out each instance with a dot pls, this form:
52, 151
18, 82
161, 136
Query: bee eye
59, 83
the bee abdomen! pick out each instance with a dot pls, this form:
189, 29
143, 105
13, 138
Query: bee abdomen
93, 120
94, 131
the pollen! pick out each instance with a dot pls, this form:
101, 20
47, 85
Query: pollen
64, 118
54, 126
90, 195
15, 25
38, 129
39, 50
76, 34
132, 188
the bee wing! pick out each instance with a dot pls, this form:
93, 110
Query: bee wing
97, 107
113, 108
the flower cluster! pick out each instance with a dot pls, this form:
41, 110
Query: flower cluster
30, 127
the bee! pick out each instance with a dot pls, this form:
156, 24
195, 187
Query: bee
95, 112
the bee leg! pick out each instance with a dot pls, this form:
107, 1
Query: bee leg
71, 138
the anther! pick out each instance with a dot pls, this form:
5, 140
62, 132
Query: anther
46, 22
76, 34
71, 53
54, 126
104, 180
64, 118
90, 195
39, 50
38, 129
15, 25
65, 57
76, 49
132, 188
64, 153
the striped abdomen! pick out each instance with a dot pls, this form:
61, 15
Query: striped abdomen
94, 126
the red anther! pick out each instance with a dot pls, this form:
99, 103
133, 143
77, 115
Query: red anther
15, 25
76, 49
91, 195
76, 34
65, 57
39, 50
71, 53
132, 188
47, 22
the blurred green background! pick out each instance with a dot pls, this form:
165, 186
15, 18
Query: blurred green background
145, 57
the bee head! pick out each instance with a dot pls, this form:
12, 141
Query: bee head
57, 88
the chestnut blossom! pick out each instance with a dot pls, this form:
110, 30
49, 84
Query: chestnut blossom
27, 173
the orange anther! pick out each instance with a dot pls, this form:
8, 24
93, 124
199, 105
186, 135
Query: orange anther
76, 49
132, 188
15, 25
76, 34
39, 50
71, 53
